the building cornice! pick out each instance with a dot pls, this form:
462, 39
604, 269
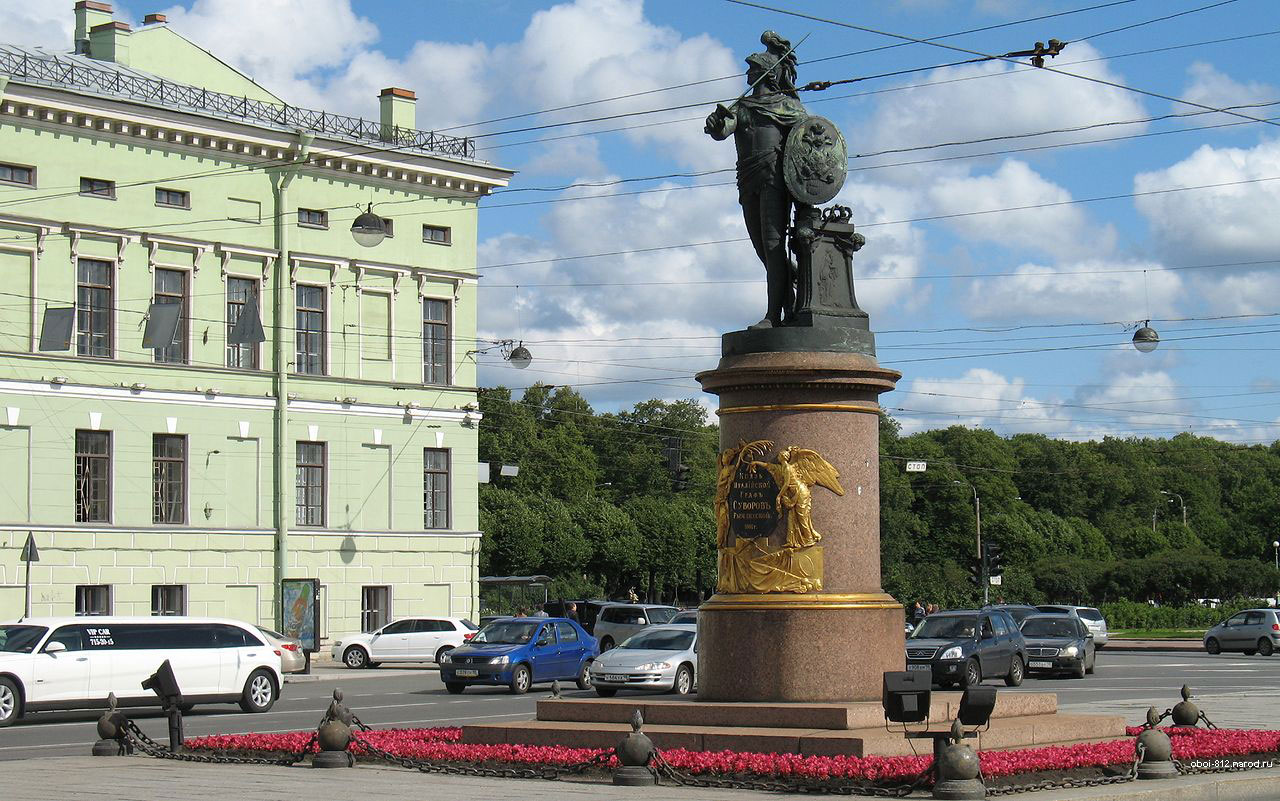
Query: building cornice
128, 121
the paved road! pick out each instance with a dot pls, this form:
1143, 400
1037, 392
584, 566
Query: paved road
1234, 690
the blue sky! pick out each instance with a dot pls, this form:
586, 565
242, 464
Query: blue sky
1000, 275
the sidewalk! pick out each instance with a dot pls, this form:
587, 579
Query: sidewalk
1154, 645
140, 778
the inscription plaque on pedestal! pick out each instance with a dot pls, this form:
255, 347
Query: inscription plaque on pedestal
753, 510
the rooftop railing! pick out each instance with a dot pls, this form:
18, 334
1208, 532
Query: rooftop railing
54, 71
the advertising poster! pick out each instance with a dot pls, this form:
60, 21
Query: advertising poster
302, 611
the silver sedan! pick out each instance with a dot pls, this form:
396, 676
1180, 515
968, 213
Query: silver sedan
663, 658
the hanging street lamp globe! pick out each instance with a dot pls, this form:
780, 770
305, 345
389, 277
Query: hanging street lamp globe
368, 229
1145, 339
520, 356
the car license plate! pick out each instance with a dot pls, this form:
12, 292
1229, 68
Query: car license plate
1040, 664
919, 667
618, 677
467, 674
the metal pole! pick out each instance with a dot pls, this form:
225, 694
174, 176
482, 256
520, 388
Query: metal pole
986, 581
27, 614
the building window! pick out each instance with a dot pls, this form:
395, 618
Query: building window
168, 599
240, 291
171, 287
310, 329
93, 599
435, 341
173, 198
435, 488
375, 607
310, 484
437, 234
93, 477
17, 174
93, 308
96, 187
169, 470
313, 218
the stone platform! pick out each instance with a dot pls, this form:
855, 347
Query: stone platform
1020, 720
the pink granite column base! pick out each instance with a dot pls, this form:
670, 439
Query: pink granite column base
810, 652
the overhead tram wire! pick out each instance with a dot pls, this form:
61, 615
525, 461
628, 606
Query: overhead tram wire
738, 76
1046, 68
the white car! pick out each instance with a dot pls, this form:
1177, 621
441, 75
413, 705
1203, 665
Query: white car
76, 662
411, 639
658, 658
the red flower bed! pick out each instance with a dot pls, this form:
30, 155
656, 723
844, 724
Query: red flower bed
441, 745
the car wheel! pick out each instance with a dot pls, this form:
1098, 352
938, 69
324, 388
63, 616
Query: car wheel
520, 680
355, 657
444, 649
1078, 671
683, 684
455, 687
9, 702
1093, 666
1213, 646
1016, 671
584, 675
259, 692
606, 644
972, 674
606, 692
1264, 647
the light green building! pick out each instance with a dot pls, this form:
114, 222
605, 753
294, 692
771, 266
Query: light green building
193, 475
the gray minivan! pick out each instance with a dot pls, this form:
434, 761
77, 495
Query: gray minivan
617, 622
1253, 631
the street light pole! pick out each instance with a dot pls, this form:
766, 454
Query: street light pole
1181, 502
1275, 549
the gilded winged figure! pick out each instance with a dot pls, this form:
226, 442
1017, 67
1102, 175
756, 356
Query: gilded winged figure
797, 470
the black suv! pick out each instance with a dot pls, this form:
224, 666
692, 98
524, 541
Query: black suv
965, 646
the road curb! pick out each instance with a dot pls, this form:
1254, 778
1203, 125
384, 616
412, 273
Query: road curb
1244, 786
1176, 646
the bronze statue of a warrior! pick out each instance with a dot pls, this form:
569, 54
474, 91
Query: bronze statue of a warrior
772, 181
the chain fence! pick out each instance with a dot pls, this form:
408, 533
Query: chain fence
139, 740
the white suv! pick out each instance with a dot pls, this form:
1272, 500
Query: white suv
76, 662
411, 639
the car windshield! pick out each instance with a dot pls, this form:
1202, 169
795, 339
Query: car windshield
468, 624
275, 635
20, 639
1049, 627
945, 628
660, 641
1090, 614
507, 632
1020, 613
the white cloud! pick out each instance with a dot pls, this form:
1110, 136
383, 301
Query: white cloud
1226, 223
1059, 230
979, 398
1209, 87
1251, 292
279, 43
1091, 289
1003, 98
42, 24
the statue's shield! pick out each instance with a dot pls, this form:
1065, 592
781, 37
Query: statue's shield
815, 161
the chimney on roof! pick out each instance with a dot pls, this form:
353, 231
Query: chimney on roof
110, 42
154, 19
398, 109
88, 14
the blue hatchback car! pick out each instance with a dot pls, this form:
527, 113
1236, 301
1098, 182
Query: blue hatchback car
519, 652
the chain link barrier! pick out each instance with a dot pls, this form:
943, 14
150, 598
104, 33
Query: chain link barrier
1131, 774
548, 772
139, 740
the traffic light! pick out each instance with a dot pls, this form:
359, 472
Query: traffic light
975, 572
680, 478
994, 557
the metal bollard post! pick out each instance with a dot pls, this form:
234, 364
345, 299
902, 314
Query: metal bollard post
111, 737
1185, 713
1156, 750
635, 752
334, 736
957, 769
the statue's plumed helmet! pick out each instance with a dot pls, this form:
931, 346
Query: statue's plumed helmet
776, 60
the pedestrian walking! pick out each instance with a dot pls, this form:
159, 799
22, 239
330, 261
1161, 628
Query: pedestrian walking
917, 612
571, 612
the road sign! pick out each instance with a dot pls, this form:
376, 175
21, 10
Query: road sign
996, 581
916, 467
30, 553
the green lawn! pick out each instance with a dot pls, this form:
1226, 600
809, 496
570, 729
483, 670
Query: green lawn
1157, 634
